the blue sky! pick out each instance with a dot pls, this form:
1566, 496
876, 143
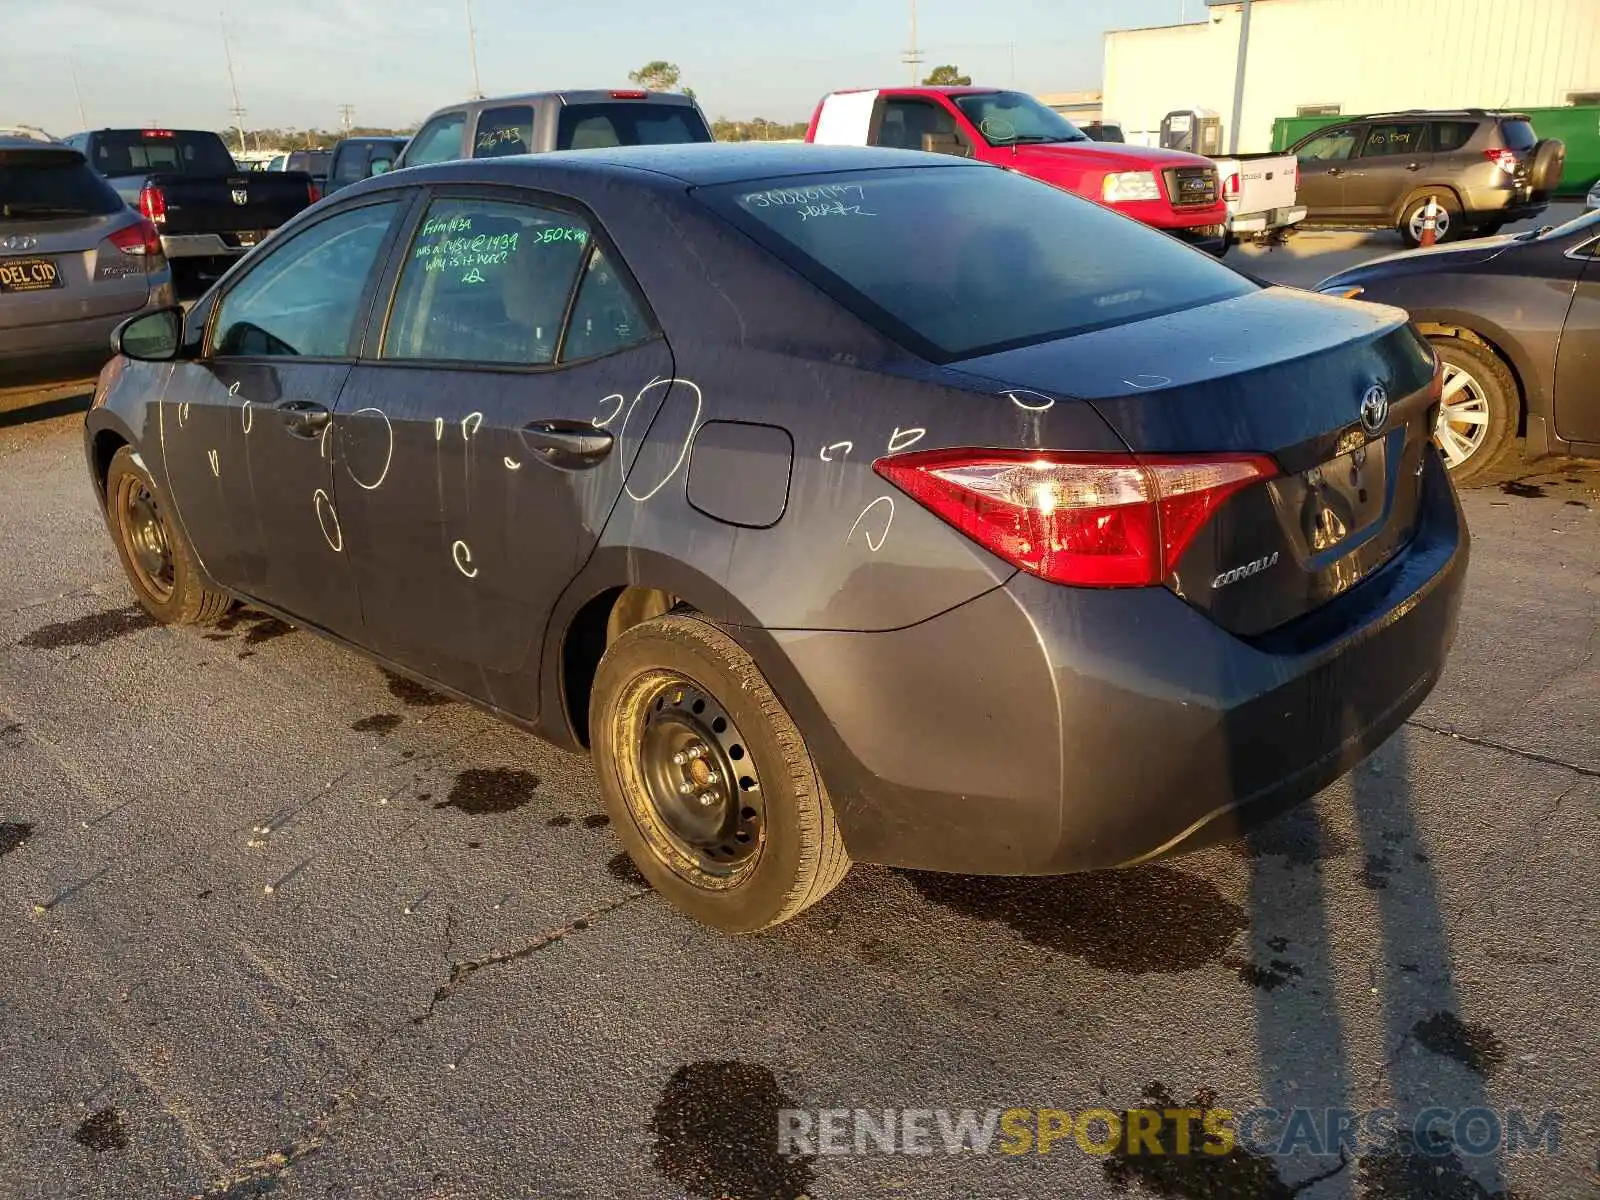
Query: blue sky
396, 60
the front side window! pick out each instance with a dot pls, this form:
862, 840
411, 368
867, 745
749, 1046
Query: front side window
439, 141
1011, 119
486, 281
503, 131
907, 122
958, 261
605, 316
1383, 140
304, 299
1335, 145
628, 123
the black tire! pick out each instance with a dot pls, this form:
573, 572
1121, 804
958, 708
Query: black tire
1493, 381
641, 702
166, 578
1449, 223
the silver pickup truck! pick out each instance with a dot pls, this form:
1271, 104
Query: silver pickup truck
1260, 190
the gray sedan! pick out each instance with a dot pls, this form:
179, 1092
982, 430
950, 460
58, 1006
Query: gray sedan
75, 261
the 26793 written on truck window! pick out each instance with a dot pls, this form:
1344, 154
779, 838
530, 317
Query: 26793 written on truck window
945, 261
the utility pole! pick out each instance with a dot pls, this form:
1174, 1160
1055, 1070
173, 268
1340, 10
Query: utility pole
472, 49
1238, 78
83, 118
912, 58
346, 111
1013, 46
233, 81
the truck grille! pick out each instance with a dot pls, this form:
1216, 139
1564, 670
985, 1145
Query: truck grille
1191, 187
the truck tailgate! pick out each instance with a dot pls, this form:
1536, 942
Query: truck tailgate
1266, 182
248, 201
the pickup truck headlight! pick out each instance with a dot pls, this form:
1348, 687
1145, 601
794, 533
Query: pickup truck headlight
1130, 185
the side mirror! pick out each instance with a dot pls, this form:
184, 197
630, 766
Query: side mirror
945, 143
380, 166
150, 337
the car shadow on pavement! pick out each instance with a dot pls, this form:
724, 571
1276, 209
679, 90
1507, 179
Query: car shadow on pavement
47, 410
1398, 1126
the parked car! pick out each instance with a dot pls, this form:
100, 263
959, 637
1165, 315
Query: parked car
1260, 191
542, 121
315, 163
1486, 169
75, 261
1175, 192
208, 210
1102, 131
1516, 322
896, 508
358, 158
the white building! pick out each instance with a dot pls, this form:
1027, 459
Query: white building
1331, 57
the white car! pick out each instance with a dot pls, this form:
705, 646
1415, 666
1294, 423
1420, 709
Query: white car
1593, 202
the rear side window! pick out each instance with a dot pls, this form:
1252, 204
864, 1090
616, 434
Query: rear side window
305, 297
503, 131
605, 317
439, 141
1452, 135
628, 123
42, 184
130, 151
961, 261
1518, 135
486, 281
350, 165
1384, 140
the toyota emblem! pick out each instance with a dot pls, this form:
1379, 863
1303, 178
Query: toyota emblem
1374, 408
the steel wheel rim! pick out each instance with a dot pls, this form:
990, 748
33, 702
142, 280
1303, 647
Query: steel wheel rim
144, 533
1463, 416
687, 750
1441, 223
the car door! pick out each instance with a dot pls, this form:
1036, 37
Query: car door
1392, 161
1577, 387
244, 426
1324, 158
486, 434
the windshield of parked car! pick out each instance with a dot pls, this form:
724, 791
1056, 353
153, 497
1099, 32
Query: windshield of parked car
36, 183
628, 123
1011, 118
160, 151
964, 260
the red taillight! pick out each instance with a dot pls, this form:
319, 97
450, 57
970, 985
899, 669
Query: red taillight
314, 192
639, 94
1503, 158
1230, 187
1091, 520
143, 239
153, 204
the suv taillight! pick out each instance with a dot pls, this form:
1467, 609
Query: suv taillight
1504, 158
1090, 520
143, 239
153, 204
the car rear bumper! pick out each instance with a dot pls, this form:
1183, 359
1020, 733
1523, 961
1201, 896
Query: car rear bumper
40, 349
1040, 729
1260, 222
205, 245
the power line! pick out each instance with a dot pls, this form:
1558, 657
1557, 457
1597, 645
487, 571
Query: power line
912, 59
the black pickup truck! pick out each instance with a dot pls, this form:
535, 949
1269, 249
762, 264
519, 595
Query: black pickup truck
208, 209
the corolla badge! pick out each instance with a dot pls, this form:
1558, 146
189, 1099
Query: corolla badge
1374, 408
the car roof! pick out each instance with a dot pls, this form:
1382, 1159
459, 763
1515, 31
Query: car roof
580, 96
704, 163
8, 142
1450, 113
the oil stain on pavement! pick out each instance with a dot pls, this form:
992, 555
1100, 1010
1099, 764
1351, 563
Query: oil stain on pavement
1473, 1046
412, 694
596, 821
258, 626
1269, 978
1137, 921
1197, 1175
483, 792
714, 1134
103, 1131
621, 867
96, 629
1527, 491
12, 835
379, 723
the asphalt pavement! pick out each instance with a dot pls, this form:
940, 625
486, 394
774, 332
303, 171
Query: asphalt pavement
275, 923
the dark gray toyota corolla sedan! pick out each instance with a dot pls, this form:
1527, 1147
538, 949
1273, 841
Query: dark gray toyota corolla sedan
847, 504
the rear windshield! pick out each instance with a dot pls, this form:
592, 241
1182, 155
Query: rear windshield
1518, 135
625, 123
960, 261
35, 184
132, 151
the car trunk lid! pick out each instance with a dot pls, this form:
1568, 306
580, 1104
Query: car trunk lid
1339, 395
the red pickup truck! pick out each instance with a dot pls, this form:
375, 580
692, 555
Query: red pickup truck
1170, 190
